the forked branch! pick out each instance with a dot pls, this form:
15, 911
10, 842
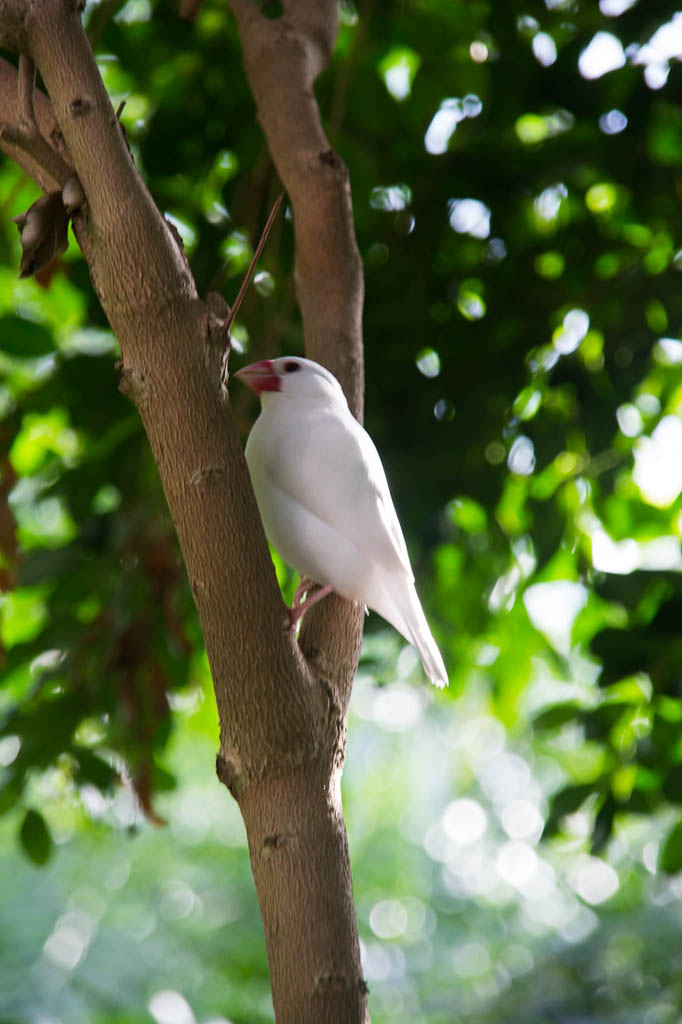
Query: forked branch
25, 133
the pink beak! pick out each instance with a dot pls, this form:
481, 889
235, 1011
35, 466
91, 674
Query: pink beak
259, 376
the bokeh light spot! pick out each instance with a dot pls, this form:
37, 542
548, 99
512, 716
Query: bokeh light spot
465, 821
469, 217
170, 1007
593, 879
388, 919
658, 463
602, 54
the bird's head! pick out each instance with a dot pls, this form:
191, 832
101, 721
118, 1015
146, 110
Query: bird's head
291, 377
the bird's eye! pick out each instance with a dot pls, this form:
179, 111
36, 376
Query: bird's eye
291, 367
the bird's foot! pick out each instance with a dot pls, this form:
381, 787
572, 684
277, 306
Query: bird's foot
302, 602
305, 584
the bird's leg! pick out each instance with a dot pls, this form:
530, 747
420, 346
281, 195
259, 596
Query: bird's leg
300, 606
305, 584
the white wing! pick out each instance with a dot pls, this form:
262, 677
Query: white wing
327, 463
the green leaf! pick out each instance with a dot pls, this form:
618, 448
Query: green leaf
670, 859
567, 801
163, 780
468, 515
10, 791
35, 837
94, 769
672, 787
557, 715
24, 614
603, 825
25, 338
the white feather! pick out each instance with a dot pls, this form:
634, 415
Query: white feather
325, 502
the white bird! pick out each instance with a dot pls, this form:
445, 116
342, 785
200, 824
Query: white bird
324, 499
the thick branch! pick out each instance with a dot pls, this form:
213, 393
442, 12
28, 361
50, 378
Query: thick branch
27, 85
282, 729
140, 272
50, 174
314, 982
26, 134
282, 58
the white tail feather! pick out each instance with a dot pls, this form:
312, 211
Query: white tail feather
422, 639
400, 606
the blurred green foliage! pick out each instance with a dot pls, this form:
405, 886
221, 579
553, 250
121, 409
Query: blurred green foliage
518, 214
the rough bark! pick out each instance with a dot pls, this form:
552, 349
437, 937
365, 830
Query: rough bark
282, 708
282, 58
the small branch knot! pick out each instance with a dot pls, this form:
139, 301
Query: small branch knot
133, 384
57, 139
216, 333
217, 336
278, 841
337, 982
217, 306
331, 159
79, 107
225, 371
229, 774
205, 474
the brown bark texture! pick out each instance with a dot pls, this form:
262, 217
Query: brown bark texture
282, 706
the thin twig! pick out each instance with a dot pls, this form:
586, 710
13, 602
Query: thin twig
252, 265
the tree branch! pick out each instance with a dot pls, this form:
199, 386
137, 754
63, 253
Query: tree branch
282, 722
27, 84
26, 134
268, 713
50, 173
254, 262
282, 58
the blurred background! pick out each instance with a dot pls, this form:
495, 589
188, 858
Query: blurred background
516, 841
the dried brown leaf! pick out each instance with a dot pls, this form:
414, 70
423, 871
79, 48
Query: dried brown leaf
44, 232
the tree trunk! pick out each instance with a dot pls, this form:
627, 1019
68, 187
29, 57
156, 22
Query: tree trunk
300, 863
282, 707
